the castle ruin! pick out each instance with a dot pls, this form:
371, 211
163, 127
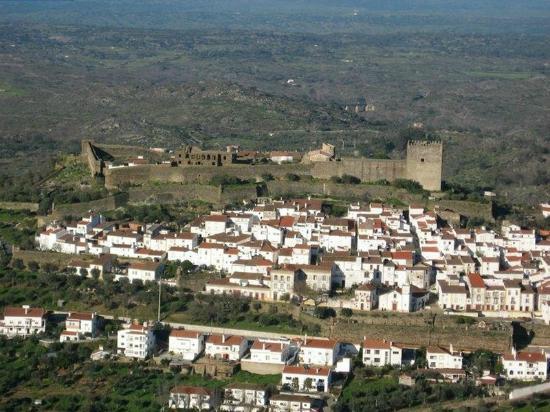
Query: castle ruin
423, 164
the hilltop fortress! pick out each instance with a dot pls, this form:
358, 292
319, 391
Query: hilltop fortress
126, 165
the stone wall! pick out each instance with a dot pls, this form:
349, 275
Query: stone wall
368, 170
174, 193
425, 163
33, 207
142, 174
90, 157
79, 209
351, 192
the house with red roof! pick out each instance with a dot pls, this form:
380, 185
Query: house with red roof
226, 347
381, 352
315, 351
188, 344
307, 378
525, 366
270, 351
23, 321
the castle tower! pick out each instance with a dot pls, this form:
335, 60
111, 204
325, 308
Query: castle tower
425, 163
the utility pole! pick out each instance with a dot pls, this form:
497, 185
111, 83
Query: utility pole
160, 286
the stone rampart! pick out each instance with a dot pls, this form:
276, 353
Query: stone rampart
368, 170
142, 174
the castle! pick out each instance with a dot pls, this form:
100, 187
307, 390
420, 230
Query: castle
423, 164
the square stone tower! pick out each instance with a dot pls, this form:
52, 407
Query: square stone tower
425, 163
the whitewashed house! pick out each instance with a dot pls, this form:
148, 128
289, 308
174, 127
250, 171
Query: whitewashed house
23, 321
269, 351
308, 379
319, 352
380, 352
188, 344
226, 347
525, 366
192, 398
136, 341
441, 358
245, 397
145, 271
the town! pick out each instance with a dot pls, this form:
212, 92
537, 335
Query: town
376, 258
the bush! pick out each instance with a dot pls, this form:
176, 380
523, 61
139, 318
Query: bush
346, 312
291, 177
410, 186
322, 312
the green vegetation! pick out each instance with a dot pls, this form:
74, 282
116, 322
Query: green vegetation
365, 392
225, 180
64, 379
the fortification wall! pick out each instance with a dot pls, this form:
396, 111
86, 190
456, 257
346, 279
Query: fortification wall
89, 156
195, 174
33, 207
350, 192
78, 209
174, 194
368, 170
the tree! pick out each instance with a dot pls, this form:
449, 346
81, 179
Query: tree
18, 264
49, 268
308, 383
83, 272
292, 177
95, 273
323, 312
256, 306
346, 312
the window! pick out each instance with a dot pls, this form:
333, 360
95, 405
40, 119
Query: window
422, 160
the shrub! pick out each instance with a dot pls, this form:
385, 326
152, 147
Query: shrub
346, 312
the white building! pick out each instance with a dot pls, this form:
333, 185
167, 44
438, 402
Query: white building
319, 352
269, 351
23, 321
136, 341
308, 379
226, 347
244, 397
186, 343
380, 352
292, 403
525, 366
145, 271
441, 358
82, 323
192, 398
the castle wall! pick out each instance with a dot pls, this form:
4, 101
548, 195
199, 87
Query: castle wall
424, 163
89, 156
368, 170
195, 174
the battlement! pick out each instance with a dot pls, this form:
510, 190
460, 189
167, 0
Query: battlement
425, 143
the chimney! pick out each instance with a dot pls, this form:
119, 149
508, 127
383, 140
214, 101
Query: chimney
263, 345
223, 337
451, 348
514, 353
26, 307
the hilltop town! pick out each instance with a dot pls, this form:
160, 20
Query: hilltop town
375, 259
